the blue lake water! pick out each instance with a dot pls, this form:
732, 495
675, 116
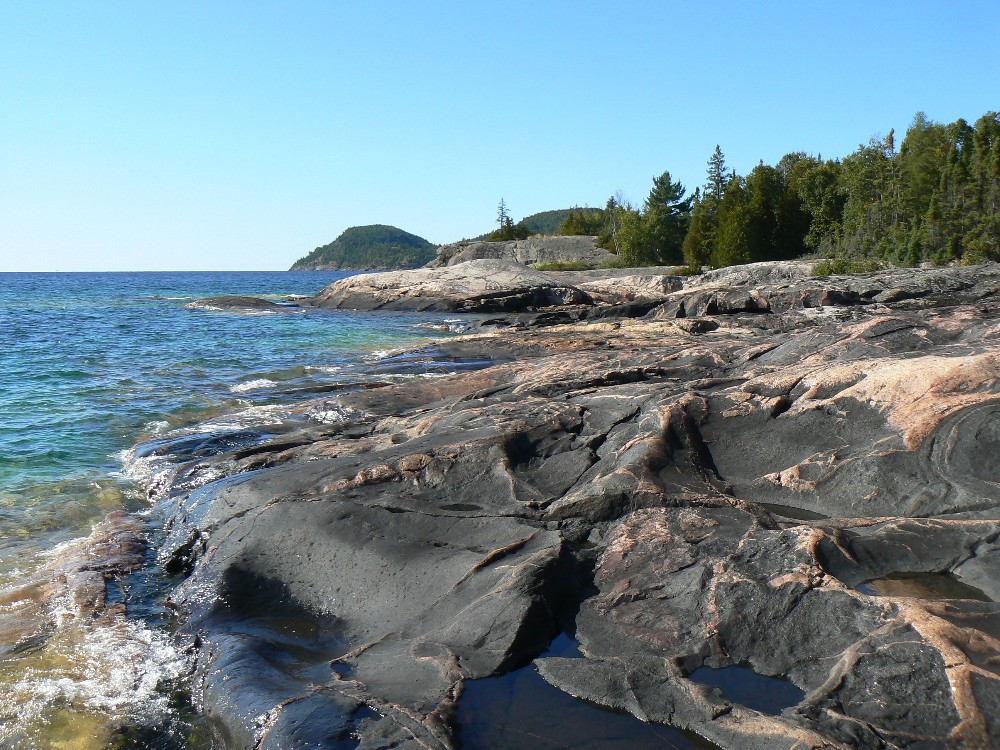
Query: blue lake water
91, 363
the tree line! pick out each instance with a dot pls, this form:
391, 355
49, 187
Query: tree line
934, 199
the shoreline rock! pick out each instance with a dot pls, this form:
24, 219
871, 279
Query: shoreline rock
476, 286
719, 484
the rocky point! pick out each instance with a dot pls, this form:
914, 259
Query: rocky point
752, 469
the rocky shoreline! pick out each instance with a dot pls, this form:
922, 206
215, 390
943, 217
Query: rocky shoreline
753, 469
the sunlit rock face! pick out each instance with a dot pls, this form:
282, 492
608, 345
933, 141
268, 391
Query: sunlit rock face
802, 486
568, 249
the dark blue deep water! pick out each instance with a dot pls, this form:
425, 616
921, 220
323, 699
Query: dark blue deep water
91, 363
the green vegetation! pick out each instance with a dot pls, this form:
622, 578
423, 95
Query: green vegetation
935, 199
830, 266
373, 247
588, 221
651, 236
507, 229
612, 262
544, 223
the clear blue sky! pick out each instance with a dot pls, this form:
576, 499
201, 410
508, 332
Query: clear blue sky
240, 135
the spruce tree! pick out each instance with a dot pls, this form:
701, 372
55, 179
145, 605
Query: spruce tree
668, 216
717, 176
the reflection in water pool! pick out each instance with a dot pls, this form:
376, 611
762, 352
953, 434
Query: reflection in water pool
769, 695
922, 586
521, 711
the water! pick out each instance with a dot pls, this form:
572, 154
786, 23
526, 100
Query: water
521, 711
91, 364
934, 586
741, 684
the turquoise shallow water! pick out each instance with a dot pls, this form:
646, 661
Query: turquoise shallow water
91, 363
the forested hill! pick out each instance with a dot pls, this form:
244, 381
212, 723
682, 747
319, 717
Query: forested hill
369, 248
544, 222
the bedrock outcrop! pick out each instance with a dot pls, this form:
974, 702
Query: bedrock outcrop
475, 286
569, 249
772, 471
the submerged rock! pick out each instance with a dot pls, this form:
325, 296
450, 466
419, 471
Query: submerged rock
237, 302
678, 496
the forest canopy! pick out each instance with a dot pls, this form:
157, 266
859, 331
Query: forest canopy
933, 198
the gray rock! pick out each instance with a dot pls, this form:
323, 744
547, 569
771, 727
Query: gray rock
732, 487
568, 249
475, 286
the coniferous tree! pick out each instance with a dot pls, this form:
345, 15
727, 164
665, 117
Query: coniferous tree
507, 229
698, 242
667, 216
503, 215
732, 240
717, 176
582, 221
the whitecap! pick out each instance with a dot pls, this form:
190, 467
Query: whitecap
156, 427
114, 669
331, 412
252, 385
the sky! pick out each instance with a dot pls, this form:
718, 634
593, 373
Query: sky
218, 135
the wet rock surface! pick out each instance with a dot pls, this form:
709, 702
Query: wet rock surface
716, 485
80, 581
239, 302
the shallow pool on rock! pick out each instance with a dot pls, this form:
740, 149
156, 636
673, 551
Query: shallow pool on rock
922, 586
790, 511
521, 711
769, 695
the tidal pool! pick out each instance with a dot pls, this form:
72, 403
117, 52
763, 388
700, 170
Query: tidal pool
521, 711
922, 586
769, 695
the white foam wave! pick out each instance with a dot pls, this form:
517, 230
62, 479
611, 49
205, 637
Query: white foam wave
331, 412
253, 416
115, 669
252, 385
146, 471
402, 377
156, 427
